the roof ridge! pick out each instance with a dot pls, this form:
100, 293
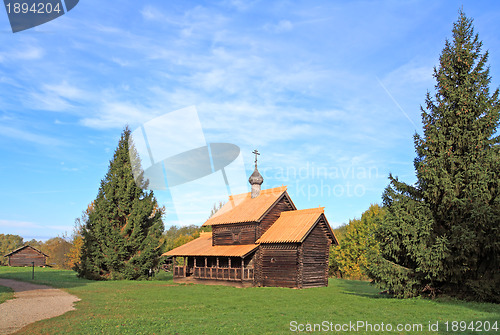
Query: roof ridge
26, 246
304, 211
274, 189
278, 189
243, 208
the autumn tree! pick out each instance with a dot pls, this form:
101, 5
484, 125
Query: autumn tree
75, 253
333, 265
442, 234
8, 243
121, 238
357, 243
34, 243
57, 249
176, 236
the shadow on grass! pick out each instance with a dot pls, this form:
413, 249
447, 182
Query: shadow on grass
483, 307
368, 290
359, 288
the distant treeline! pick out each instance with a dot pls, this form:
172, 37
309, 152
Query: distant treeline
177, 236
57, 248
60, 249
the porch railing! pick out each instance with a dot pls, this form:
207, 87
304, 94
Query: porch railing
215, 273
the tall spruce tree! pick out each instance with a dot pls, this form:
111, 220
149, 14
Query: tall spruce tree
442, 234
122, 234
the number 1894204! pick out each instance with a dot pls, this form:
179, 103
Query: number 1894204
35, 8
476, 326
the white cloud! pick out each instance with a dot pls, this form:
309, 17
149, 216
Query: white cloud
28, 136
30, 53
414, 72
65, 90
50, 102
117, 114
120, 61
18, 224
27, 53
151, 13
32, 230
108, 29
280, 27
58, 97
240, 5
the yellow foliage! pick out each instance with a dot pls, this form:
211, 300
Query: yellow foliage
350, 256
75, 252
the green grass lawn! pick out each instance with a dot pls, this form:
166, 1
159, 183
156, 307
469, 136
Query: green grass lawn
162, 307
5, 294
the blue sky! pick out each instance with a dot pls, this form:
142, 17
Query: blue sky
328, 92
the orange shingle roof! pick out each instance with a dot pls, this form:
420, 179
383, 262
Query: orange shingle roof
202, 246
293, 226
242, 208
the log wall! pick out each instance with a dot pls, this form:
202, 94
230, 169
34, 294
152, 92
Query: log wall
234, 234
25, 256
278, 265
314, 258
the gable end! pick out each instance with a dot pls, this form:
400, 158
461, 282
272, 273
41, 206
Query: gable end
283, 204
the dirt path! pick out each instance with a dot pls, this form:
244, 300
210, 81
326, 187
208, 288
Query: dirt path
32, 303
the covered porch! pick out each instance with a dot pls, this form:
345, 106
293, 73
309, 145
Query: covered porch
199, 260
214, 268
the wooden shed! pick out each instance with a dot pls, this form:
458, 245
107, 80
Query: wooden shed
27, 256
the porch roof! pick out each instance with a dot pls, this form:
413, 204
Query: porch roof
202, 246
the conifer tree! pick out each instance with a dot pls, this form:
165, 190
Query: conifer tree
442, 234
122, 233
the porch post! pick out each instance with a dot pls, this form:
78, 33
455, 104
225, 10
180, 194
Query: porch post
185, 266
242, 267
173, 266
